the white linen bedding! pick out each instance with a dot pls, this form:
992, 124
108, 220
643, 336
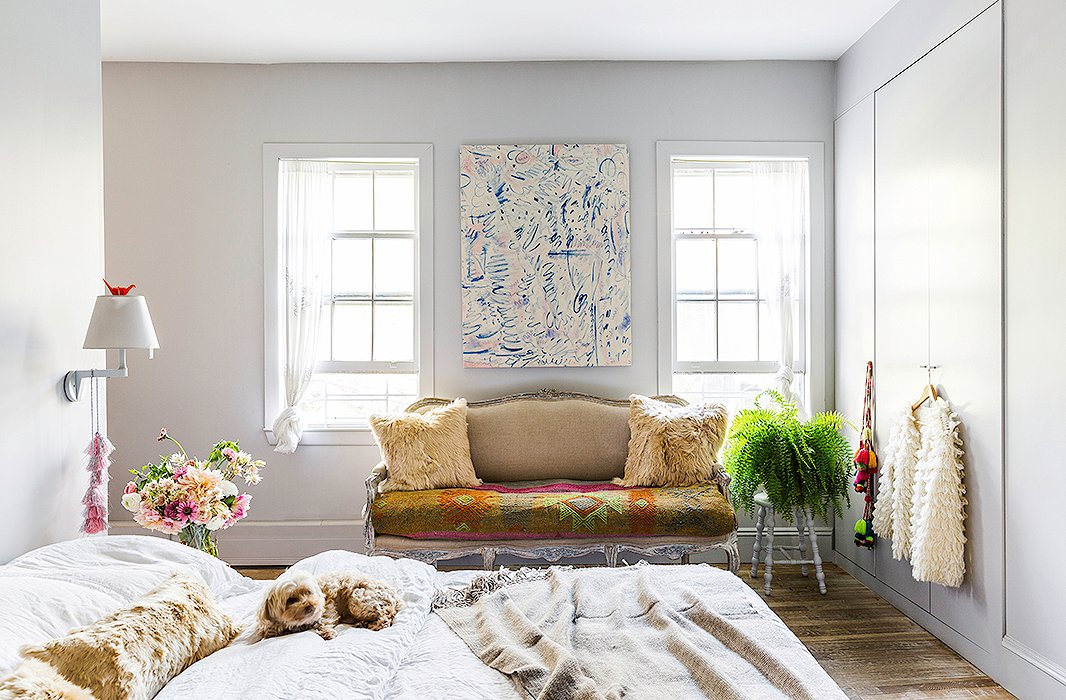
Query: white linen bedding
45, 593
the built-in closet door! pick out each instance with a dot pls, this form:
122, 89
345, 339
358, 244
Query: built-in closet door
854, 147
902, 163
939, 288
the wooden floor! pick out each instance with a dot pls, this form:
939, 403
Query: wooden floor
872, 650
869, 648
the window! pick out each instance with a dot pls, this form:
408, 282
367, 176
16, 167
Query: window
374, 332
734, 232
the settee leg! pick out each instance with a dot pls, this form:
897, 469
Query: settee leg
685, 558
732, 556
610, 551
488, 558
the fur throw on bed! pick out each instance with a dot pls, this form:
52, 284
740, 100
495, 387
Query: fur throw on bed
34, 680
131, 653
426, 451
921, 502
673, 445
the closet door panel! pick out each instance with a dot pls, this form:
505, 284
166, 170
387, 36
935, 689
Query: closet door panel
966, 318
902, 164
854, 146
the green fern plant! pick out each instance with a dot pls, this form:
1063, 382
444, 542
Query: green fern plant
801, 464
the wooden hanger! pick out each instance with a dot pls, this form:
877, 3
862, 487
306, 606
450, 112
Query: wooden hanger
929, 392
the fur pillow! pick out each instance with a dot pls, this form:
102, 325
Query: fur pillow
426, 450
133, 652
673, 445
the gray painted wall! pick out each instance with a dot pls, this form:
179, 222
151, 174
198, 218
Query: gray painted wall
183, 198
52, 238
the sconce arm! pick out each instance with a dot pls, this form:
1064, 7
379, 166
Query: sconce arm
72, 380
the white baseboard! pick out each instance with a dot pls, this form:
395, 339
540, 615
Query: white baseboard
274, 543
284, 542
1035, 658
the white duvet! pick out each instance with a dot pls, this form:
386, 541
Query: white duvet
47, 592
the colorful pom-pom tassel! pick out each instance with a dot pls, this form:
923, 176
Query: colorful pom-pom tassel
95, 499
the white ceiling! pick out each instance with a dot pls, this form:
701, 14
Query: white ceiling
283, 31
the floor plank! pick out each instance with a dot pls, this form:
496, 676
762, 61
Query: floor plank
872, 650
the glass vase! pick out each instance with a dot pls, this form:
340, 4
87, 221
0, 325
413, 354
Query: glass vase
199, 537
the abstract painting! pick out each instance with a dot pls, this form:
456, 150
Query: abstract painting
545, 255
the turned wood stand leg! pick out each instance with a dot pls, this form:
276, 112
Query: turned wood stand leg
760, 514
801, 522
814, 550
768, 576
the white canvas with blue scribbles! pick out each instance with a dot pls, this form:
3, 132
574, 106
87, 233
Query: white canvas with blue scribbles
545, 255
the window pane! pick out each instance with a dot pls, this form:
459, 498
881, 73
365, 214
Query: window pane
325, 323
353, 208
736, 391
394, 332
695, 331
734, 202
351, 331
693, 199
695, 266
356, 410
351, 266
394, 267
394, 200
769, 335
738, 329
737, 268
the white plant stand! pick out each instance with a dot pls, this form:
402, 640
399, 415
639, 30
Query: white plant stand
764, 520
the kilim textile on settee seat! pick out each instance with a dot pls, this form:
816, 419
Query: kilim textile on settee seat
547, 459
553, 510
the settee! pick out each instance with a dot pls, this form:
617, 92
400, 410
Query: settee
547, 460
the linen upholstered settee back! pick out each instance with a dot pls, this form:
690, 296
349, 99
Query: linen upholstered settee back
547, 435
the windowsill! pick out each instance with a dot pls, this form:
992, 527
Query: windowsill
356, 436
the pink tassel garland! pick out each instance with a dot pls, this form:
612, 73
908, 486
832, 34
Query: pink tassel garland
95, 499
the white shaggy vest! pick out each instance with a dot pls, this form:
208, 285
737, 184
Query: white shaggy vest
921, 503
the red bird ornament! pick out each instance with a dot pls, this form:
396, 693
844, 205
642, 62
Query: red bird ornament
118, 291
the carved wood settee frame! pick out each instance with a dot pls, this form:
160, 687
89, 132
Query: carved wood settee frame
552, 550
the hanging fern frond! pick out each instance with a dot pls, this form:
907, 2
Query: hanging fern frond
801, 464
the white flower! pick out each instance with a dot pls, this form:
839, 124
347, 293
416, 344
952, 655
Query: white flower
175, 460
228, 488
216, 523
243, 458
131, 502
252, 476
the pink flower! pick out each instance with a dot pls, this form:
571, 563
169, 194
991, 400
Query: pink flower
180, 511
239, 509
181, 470
130, 488
229, 453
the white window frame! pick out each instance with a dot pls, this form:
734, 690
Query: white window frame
273, 299
815, 341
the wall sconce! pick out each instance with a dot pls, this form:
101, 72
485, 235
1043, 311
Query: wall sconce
120, 321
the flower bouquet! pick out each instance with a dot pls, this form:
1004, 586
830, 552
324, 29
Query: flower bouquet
192, 498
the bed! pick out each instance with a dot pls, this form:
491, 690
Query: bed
45, 593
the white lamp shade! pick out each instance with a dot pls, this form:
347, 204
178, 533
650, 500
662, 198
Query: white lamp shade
120, 322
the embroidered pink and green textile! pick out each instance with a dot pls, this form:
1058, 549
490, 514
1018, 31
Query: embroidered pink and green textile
550, 510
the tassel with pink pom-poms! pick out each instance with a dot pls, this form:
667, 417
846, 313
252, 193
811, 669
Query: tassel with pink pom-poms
95, 500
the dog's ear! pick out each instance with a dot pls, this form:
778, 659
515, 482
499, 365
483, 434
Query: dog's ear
270, 611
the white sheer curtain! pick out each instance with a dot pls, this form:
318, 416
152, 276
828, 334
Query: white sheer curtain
781, 225
305, 211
